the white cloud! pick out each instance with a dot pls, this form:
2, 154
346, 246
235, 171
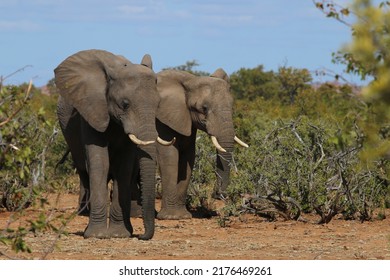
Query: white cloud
153, 11
131, 10
228, 20
236, 13
20, 25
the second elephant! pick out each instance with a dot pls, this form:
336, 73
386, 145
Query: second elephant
188, 103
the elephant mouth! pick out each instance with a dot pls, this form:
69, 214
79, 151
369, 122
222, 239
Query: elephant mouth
139, 142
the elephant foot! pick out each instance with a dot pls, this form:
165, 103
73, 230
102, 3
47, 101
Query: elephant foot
178, 213
135, 210
96, 231
119, 230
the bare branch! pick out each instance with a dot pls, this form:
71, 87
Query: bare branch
321, 158
2, 79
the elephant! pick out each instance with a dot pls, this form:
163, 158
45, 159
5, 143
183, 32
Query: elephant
188, 103
106, 110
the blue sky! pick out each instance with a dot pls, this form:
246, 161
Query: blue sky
228, 33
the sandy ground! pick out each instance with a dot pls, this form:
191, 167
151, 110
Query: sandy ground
245, 237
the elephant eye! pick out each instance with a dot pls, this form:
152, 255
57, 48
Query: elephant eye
125, 104
205, 109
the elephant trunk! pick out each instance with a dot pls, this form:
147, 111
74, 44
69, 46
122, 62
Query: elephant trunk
148, 165
148, 184
223, 162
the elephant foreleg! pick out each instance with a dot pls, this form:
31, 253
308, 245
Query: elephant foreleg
175, 168
186, 163
168, 158
98, 167
119, 222
125, 171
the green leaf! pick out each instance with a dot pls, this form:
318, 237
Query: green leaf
345, 11
319, 5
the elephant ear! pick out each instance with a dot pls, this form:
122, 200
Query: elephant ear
172, 110
82, 81
221, 74
147, 61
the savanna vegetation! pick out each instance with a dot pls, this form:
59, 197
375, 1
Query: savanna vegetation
320, 148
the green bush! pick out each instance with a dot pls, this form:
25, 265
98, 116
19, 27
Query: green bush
203, 174
30, 147
309, 152
303, 160
30, 143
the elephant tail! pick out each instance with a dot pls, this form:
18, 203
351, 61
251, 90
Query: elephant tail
62, 160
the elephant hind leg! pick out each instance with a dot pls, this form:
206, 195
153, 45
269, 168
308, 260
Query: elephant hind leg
84, 195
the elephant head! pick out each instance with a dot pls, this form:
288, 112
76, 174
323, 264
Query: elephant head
104, 87
201, 102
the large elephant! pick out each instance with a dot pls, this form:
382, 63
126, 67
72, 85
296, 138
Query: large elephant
107, 110
188, 103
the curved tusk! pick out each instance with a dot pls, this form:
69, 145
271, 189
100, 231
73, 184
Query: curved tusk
239, 141
216, 144
136, 141
166, 143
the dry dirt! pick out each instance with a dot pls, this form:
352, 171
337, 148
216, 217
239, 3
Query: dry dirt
247, 237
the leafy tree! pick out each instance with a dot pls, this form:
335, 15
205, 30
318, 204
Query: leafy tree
252, 83
368, 56
51, 86
292, 81
189, 67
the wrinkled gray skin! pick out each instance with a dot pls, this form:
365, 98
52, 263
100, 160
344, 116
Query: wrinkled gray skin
103, 99
189, 103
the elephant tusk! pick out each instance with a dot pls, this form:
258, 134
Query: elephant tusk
166, 143
216, 144
239, 141
136, 141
